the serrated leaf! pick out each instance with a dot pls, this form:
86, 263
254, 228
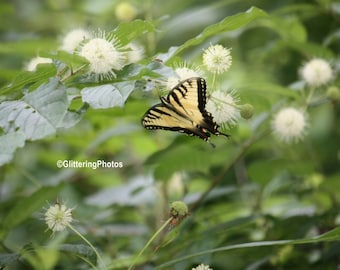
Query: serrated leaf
39, 113
8, 144
228, 24
108, 95
26, 206
128, 31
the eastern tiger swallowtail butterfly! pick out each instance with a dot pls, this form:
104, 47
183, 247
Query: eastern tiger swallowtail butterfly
183, 110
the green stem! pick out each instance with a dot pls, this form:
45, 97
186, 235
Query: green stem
213, 82
149, 242
101, 263
310, 96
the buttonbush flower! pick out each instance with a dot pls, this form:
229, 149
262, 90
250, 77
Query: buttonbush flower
58, 217
104, 55
223, 107
317, 72
202, 267
183, 72
34, 62
73, 39
134, 53
217, 59
289, 124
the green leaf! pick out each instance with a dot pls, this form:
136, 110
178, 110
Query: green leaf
24, 78
82, 250
189, 155
167, 161
267, 88
108, 95
39, 113
7, 259
333, 235
228, 24
129, 31
310, 49
262, 171
290, 29
26, 206
8, 144
65, 57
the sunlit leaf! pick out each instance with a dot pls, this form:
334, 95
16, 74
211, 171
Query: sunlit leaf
39, 113
228, 24
126, 32
108, 95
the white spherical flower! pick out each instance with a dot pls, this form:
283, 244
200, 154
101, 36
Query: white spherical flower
103, 55
202, 267
223, 107
58, 217
34, 62
217, 59
182, 73
317, 72
73, 39
289, 124
134, 53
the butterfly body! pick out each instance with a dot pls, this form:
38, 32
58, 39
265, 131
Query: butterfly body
183, 110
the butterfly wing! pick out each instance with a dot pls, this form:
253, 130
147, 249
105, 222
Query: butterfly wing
183, 110
163, 116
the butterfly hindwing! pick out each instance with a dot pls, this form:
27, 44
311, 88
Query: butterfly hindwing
183, 110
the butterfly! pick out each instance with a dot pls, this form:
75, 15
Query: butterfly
183, 110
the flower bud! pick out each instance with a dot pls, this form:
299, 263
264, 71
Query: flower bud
333, 93
179, 209
247, 111
125, 11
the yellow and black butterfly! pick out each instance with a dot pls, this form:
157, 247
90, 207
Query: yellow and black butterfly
183, 110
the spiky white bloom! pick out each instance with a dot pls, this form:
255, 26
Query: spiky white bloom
223, 107
134, 53
58, 217
182, 73
217, 59
202, 267
34, 62
289, 124
317, 72
73, 39
104, 55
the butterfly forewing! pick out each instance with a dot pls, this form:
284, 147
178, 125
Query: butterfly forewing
189, 98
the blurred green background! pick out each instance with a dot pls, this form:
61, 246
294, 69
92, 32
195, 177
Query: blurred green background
260, 189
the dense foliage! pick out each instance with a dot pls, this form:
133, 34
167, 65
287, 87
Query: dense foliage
84, 185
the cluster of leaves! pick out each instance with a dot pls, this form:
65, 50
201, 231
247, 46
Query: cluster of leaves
250, 193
